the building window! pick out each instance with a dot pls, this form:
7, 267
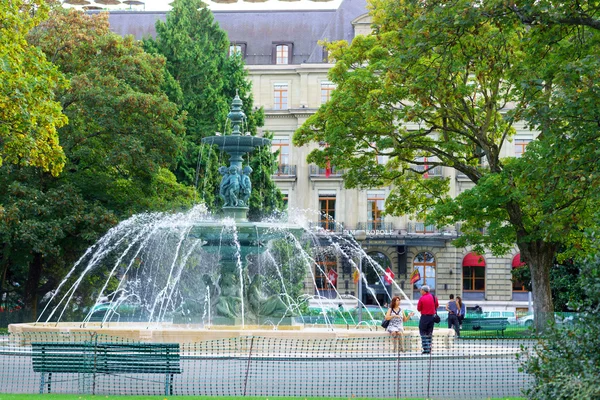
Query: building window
282, 54
281, 145
375, 206
237, 48
327, 208
280, 92
473, 273
425, 264
520, 145
286, 198
373, 272
517, 285
326, 90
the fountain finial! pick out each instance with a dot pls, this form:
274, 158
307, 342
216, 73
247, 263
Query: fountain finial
236, 115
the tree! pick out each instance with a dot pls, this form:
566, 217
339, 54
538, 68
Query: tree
119, 144
562, 365
447, 81
29, 113
265, 199
198, 59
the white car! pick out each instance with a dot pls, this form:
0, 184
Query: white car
528, 320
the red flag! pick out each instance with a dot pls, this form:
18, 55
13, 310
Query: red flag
415, 276
327, 169
332, 275
425, 167
389, 276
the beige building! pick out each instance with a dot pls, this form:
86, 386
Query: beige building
288, 69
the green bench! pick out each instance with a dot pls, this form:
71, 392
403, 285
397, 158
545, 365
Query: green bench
485, 324
105, 358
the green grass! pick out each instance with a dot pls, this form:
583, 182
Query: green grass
90, 397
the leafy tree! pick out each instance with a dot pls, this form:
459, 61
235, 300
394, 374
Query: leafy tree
564, 364
122, 136
448, 81
29, 113
198, 59
265, 199
564, 283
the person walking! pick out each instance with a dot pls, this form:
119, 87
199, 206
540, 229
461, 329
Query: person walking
397, 319
453, 311
427, 306
462, 311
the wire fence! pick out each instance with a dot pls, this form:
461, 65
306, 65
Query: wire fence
83, 363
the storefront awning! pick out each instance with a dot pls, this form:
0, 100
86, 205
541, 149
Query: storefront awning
516, 262
473, 260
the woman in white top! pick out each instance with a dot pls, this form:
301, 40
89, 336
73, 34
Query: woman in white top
397, 318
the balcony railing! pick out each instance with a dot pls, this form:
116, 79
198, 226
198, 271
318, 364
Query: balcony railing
436, 171
285, 171
483, 230
375, 226
331, 226
316, 171
420, 227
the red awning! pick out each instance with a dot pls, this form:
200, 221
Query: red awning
516, 262
473, 260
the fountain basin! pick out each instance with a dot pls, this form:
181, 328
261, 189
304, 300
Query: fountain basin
189, 333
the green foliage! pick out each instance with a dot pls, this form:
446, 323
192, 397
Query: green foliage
265, 199
450, 81
122, 135
29, 112
289, 277
205, 79
565, 364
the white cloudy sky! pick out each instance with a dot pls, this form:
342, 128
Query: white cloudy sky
163, 5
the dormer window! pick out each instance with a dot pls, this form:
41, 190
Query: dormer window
282, 53
237, 48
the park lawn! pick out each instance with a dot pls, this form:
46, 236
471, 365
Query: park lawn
91, 397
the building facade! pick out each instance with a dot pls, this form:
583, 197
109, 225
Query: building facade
288, 68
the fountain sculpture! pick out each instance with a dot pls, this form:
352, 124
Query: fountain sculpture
177, 276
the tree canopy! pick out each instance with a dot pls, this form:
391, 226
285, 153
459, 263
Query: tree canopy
29, 112
122, 136
442, 83
208, 77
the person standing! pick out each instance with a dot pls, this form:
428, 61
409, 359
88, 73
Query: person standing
427, 306
462, 311
397, 319
453, 311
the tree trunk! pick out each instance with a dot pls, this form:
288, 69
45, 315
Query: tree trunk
32, 284
539, 257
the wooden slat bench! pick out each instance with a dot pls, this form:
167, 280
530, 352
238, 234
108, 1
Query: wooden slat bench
106, 358
485, 324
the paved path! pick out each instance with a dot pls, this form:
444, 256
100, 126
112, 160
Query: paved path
471, 370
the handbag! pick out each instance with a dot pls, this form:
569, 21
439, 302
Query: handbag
385, 323
436, 317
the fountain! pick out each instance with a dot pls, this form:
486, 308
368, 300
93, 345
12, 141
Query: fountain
190, 276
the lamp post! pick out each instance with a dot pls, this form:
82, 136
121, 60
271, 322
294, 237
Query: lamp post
360, 236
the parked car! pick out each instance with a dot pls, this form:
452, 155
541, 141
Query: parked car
559, 318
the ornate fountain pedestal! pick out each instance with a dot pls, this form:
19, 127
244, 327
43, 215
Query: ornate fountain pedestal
239, 214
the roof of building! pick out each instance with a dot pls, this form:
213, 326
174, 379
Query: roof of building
260, 30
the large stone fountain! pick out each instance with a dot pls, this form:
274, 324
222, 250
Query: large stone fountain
190, 276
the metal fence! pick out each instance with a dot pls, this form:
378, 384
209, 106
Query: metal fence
348, 367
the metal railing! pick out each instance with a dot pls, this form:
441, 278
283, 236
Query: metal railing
436, 171
316, 171
285, 170
330, 226
375, 226
420, 227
